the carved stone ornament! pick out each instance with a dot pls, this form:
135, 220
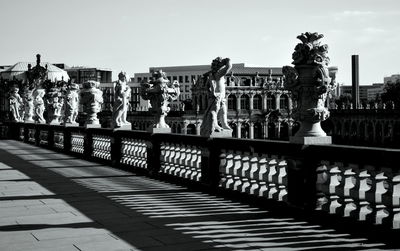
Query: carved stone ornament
160, 92
38, 103
217, 107
310, 81
54, 105
71, 104
92, 99
16, 102
28, 105
122, 94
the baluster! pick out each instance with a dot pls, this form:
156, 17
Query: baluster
350, 183
381, 194
237, 164
261, 177
282, 181
334, 179
322, 184
365, 186
272, 177
396, 202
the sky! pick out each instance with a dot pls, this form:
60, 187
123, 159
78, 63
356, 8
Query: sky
133, 35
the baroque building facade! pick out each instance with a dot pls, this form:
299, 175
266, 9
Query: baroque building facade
258, 106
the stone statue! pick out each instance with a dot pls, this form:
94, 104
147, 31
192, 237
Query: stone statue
92, 99
216, 99
15, 104
310, 81
122, 94
160, 92
28, 105
54, 106
71, 104
38, 104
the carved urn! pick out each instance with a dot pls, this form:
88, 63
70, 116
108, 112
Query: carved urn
310, 82
92, 99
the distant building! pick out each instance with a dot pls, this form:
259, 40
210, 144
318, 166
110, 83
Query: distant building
80, 74
187, 75
367, 92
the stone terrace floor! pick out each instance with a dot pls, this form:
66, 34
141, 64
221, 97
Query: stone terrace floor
52, 201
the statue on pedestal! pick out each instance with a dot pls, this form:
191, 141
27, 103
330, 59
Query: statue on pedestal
16, 103
38, 102
160, 92
54, 105
215, 80
28, 105
122, 94
310, 81
71, 104
92, 99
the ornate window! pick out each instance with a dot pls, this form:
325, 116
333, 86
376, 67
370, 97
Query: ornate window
232, 102
245, 102
257, 102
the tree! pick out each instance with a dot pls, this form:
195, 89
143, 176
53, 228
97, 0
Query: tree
391, 93
344, 100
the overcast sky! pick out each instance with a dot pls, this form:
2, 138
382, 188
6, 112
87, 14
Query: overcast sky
133, 35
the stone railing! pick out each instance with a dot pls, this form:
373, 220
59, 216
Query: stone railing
356, 183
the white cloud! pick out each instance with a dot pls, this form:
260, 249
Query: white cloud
374, 30
352, 14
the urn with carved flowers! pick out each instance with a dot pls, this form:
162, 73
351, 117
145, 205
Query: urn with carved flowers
310, 81
92, 99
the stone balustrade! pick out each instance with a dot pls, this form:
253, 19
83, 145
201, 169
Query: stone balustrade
101, 147
256, 174
357, 183
181, 160
77, 142
134, 152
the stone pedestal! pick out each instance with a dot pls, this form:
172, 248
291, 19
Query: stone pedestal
123, 127
311, 140
71, 125
159, 130
222, 134
92, 126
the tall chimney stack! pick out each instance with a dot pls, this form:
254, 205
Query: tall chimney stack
355, 90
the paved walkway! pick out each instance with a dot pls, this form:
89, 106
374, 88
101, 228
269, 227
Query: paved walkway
52, 201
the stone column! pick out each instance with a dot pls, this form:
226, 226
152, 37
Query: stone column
239, 129
278, 101
264, 100
184, 127
251, 102
251, 130
238, 103
278, 130
198, 125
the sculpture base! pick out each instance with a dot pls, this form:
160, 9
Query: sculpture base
71, 124
29, 121
222, 134
159, 130
319, 140
92, 126
54, 123
123, 127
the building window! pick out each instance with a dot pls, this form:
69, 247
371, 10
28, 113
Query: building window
186, 88
257, 102
284, 102
271, 102
139, 79
232, 102
180, 79
169, 78
186, 79
245, 102
174, 78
